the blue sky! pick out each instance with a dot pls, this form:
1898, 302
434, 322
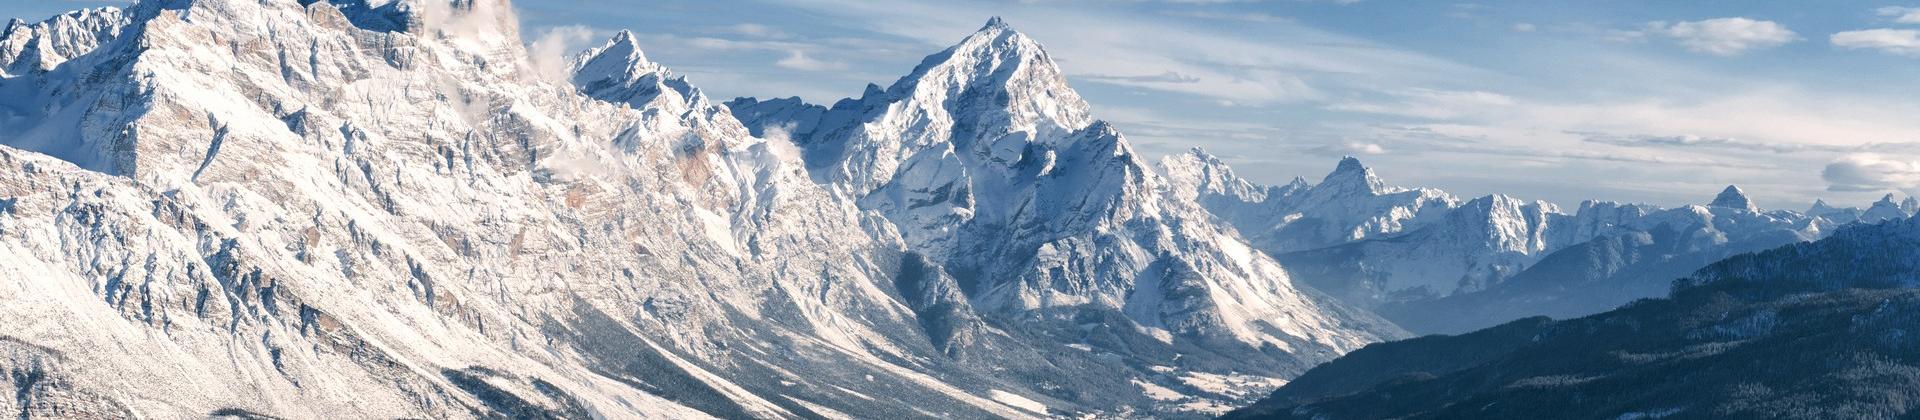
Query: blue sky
1650, 101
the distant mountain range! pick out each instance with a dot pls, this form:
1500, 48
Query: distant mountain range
1434, 263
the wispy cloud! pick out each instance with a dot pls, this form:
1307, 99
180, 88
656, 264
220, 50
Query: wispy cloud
1692, 141
1725, 37
758, 30
1349, 149
798, 60
1872, 173
552, 48
1167, 77
1899, 14
1254, 17
1501, 141
1892, 41
1429, 103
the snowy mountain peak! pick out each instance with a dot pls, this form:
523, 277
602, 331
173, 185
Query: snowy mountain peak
1884, 210
1204, 156
1734, 198
1198, 175
625, 39
618, 58
1910, 205
1350, 176
1350, 163
1298, 182
994, 23
996, 95
619, 72
1000, 74
1821, 208
29, 47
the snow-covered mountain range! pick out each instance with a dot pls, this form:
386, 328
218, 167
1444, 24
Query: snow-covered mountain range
386, 209
390, 208
1431, 262
990, 165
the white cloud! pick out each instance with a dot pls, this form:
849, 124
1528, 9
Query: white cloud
1167, 77
1688, 141
549, 53
1524, 27
794, 54
1725, 37
798, 60
1781, 117
477, 26
1255, 17
1872, 173
758, 30
1891, 41
1430, 104
1900, 14
1350, 149
1768, 138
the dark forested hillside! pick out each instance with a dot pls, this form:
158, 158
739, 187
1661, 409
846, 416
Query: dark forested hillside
1813, 330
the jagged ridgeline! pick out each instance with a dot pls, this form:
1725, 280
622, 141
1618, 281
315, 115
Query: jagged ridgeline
306, 209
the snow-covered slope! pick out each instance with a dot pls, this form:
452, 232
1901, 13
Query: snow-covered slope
385, 209
990, 165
